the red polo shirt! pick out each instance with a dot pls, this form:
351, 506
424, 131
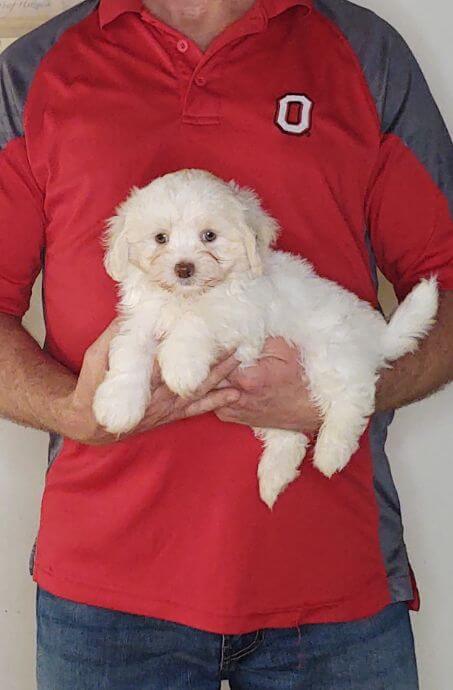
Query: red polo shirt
324, 111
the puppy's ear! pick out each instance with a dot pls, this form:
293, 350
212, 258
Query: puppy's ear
263, 229
251, 248
117, 254
115, 240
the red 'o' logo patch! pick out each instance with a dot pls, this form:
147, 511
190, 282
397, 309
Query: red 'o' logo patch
294, 113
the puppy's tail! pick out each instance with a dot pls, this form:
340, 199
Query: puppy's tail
412, 320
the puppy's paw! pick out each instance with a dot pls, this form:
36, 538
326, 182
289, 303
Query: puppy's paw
270, 488
183, 378
248, 354
331, 454
272, 482
120, 404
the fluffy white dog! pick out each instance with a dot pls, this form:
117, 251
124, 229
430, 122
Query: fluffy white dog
197, 277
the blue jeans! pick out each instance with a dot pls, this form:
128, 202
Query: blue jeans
88, 648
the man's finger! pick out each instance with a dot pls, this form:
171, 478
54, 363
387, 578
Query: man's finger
224, 384
213, 400
95, 361
271, 355
156, 376
99, 349
102, 343
218, 372
230, 414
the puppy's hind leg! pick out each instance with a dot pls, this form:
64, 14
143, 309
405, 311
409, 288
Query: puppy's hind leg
344, 423
342, 384
280, 461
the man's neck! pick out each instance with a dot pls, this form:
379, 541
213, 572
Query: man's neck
199, 20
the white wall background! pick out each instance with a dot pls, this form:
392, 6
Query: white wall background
420, 447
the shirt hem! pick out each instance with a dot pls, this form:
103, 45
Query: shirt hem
367, 604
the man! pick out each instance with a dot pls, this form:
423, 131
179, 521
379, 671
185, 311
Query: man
157, 565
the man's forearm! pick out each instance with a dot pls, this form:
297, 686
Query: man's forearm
417, 375
33, 386
37, 391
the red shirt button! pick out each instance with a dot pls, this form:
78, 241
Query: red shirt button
182, 46
200, 81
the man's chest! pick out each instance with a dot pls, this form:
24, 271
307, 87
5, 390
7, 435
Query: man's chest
270, 117
273, 117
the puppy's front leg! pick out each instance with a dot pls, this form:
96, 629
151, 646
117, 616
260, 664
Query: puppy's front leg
121, 400
187, 354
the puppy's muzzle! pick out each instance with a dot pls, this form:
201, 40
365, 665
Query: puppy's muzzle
184, 269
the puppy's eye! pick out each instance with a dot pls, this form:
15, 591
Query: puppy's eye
161, 238
208, 236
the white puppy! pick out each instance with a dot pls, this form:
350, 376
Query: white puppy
197, 277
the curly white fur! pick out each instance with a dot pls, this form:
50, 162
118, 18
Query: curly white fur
241, 291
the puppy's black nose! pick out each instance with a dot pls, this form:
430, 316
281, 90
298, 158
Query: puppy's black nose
184, 269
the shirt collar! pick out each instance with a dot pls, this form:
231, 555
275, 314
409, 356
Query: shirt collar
275, 7
111, 9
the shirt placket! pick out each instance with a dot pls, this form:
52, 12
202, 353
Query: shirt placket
200, 103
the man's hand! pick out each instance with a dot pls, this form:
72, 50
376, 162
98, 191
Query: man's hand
274, 392
164, 407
